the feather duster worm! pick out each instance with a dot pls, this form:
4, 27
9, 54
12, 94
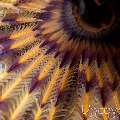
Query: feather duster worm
59, 60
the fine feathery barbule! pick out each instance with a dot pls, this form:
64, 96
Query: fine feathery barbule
59, 60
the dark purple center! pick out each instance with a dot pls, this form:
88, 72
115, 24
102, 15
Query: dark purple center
95, 12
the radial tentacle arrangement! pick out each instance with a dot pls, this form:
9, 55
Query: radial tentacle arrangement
59, 60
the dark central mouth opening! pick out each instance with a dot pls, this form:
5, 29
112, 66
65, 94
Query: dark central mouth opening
95, 13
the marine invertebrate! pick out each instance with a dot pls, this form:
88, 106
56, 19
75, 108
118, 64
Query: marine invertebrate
59, 60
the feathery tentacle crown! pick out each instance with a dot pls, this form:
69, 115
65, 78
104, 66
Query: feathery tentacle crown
59, 60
